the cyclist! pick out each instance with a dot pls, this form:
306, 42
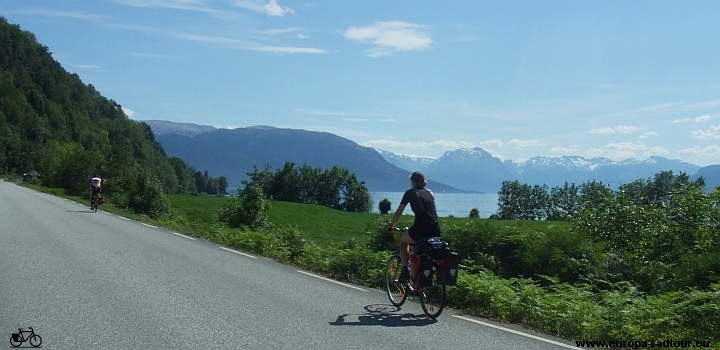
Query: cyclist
94, 187
422, 203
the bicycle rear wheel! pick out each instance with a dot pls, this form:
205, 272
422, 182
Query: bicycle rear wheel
433, 298
396, 291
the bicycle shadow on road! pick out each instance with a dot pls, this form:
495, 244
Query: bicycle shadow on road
382, 315
81, 211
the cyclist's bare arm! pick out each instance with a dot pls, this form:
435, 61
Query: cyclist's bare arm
396, 217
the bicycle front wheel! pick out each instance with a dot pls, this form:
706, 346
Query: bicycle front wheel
35, 341
433, 298
395, 290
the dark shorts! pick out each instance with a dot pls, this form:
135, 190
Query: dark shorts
418, 231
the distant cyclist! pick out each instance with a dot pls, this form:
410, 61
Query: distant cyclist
422, 203
95, 187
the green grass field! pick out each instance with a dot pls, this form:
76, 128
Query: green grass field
326, 226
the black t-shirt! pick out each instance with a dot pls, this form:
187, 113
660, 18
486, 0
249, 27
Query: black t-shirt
422, 202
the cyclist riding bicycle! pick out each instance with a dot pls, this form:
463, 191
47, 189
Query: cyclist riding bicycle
94, 187
422, 203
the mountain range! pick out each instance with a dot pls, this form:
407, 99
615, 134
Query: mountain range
233, 153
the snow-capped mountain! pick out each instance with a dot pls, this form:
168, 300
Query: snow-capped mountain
475, 169
470, 168
407, 162
554, 171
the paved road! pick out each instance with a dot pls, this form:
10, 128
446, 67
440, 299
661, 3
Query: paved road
96, 280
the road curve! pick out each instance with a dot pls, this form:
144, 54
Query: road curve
96, 280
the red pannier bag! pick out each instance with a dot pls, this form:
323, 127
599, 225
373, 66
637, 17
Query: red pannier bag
448, 268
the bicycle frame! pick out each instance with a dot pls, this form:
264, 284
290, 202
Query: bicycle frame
21, 333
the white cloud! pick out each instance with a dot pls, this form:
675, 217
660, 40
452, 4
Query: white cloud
712, 151
491, 143
622, 129
128, 112
229, 127
85, 66
626, 129
712, 133
303, 36
620, 150
246, 45
519, 144
647, 135
700, 119
564, 150
271, 8
605, 130
388, 37
413, 145
190, 5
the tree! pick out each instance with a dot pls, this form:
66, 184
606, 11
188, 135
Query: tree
248, 209
474, 213
385, 206
563, 202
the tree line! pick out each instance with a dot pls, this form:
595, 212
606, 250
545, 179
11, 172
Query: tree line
336, 188
661, 233
518, 201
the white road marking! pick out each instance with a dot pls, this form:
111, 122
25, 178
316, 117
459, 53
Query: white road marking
183, 236
124, 218
237, 252
516, 332
332, 280
105, 212
148, 225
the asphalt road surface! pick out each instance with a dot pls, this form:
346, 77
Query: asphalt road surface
97, 280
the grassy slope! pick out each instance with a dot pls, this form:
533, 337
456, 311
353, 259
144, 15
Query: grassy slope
323, 225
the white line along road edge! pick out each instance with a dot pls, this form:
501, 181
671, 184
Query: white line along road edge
516, 332
331, 280
183, 236
148, 225
237, 252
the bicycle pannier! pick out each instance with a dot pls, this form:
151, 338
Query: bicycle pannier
448, 268
425, 278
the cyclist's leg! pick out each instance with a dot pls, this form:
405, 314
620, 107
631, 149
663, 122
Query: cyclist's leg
405, 242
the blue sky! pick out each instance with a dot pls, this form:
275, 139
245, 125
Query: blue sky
614, 79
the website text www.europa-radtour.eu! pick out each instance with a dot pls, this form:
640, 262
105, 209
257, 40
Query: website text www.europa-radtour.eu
636, 344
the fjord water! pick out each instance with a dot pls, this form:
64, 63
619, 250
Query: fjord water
455, 204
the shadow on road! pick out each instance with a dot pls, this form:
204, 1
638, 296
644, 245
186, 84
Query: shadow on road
382, 315
81, 211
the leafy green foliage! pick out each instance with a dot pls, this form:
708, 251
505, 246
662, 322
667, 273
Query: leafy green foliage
248, 209
384, 206
146, 197
336, 188
67, 131
474, 213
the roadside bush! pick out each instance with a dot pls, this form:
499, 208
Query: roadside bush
248, 209
146, 197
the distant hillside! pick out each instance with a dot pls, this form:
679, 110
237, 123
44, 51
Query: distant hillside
234, 152
711, 174
164, 127
51, 122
